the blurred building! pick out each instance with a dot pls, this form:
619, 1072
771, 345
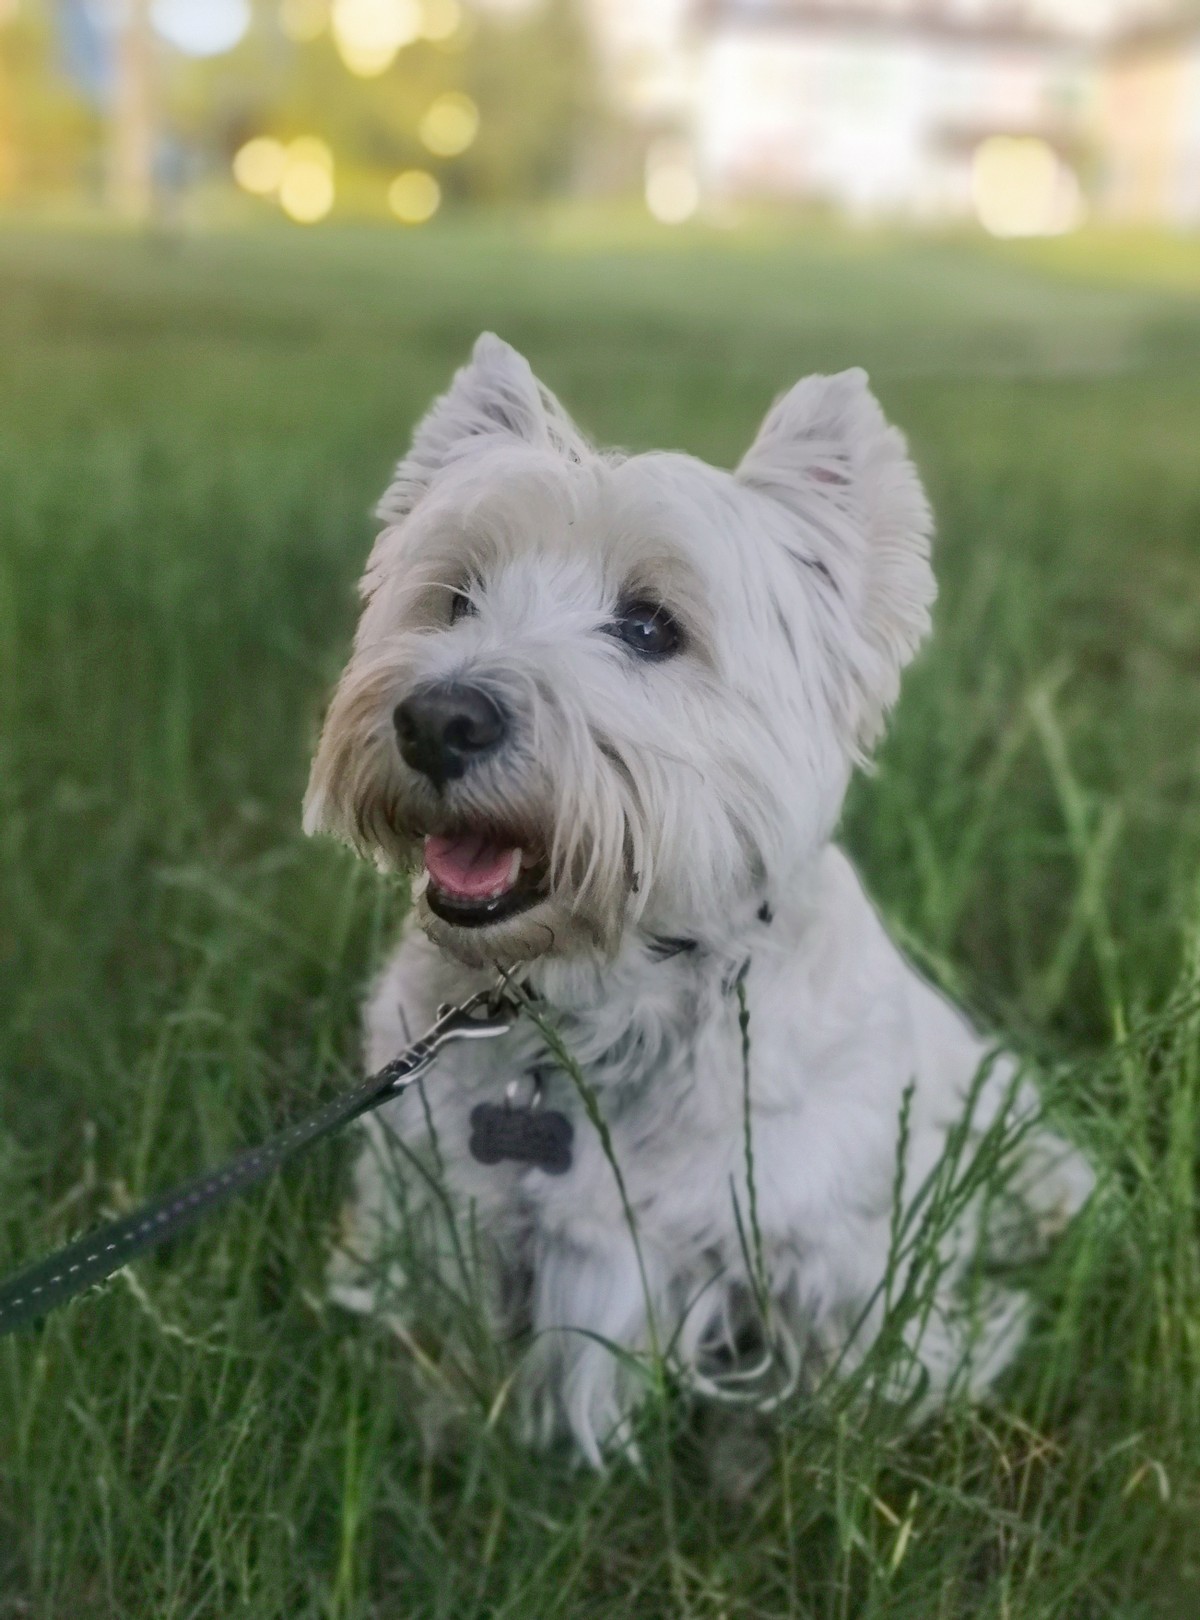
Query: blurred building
1149, 127
644, 56
1026, 113
874, 110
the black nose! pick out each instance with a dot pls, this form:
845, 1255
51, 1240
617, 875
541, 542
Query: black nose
444, 729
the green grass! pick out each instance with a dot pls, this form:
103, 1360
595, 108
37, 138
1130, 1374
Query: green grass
190, 437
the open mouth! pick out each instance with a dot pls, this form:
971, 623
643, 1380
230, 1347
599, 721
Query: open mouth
474, 879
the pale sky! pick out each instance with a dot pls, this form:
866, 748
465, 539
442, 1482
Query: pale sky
1089, 16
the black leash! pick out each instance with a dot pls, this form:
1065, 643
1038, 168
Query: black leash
40, 1287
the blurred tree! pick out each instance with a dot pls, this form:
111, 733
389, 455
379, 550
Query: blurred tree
528, 72
132, 123
530, 76
8, 133
49, 129
534, 83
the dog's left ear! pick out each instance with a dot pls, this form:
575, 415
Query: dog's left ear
494, 399
862, 531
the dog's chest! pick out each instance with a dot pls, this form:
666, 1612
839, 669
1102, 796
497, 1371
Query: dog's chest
662, 1100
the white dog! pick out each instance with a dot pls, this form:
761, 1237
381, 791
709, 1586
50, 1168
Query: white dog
607, 707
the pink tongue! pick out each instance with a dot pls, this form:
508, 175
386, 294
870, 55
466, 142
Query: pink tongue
469, 867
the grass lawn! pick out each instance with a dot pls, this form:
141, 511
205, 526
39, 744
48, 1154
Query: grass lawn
190, 438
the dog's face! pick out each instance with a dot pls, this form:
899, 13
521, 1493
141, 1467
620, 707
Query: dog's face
593, 692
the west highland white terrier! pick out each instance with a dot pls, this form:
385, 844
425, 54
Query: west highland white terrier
605, 707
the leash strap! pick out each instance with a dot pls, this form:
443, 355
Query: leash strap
40, 1287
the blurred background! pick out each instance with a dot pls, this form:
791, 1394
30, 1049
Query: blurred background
1025, 117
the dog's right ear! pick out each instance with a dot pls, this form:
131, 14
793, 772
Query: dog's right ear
494, 398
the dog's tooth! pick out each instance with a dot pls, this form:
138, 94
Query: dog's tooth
514, 867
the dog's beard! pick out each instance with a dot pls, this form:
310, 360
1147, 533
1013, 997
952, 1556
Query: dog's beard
562, 807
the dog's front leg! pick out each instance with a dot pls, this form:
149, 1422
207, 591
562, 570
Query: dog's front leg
599, 1310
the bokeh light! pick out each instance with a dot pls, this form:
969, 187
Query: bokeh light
259, 166
369, 33
201, 27
311, 149
672, 189
1021, 187
450, 124
414, 197
306, 192
300, 174
304, 20
440, 19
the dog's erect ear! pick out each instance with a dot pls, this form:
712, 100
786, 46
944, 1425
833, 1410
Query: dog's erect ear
493, 398
863, 528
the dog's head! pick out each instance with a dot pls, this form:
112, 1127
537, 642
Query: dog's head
590, 691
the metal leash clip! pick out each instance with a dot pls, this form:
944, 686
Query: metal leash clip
486, 1015
31, 1293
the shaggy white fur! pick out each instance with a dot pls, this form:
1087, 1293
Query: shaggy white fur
674, 814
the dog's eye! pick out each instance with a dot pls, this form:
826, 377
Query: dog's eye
648, 629
461, 606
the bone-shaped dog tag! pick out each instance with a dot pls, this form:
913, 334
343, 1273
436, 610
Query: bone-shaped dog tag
535, 1136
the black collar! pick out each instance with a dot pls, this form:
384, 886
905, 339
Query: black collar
663, 947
